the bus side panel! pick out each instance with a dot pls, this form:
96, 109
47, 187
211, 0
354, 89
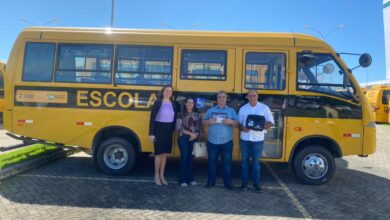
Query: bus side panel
388, 113
1, 103
13, 70
369, 144
7, 119
347, 133
375, 99
78, 127
2, 68
380, 115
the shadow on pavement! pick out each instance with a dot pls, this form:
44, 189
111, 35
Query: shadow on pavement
13, 147
75, 182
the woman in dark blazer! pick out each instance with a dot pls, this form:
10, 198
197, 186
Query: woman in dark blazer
161, 128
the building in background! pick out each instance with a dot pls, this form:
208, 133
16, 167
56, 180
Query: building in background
386, 27
386, 23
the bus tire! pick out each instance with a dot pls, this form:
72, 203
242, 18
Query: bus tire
314, 165
116, 156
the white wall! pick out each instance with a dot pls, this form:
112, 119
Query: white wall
386, 22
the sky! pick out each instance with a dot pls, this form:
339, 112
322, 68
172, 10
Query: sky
362, 20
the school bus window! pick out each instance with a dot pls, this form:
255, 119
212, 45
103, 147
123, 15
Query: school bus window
323, 74
84, 63
144, 65
386, 97
265, 71
203, 65
38, 62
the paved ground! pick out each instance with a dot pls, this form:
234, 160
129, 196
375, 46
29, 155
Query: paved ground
6, 143
72, 188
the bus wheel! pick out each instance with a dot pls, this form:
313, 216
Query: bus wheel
116, 156
314, 165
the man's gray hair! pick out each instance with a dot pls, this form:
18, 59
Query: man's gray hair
222, 92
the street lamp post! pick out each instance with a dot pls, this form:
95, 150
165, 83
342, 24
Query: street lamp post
112, 13
322, 35
27, 21
44, 24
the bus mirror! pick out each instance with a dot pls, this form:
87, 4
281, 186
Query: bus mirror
306, 57
365, 60
328, 68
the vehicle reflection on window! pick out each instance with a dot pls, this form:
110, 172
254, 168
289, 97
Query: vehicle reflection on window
323, 75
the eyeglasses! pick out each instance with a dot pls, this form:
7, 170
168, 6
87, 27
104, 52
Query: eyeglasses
221, 97
252, 95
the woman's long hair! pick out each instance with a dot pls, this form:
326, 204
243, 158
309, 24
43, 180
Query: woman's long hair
161, 93
185, 108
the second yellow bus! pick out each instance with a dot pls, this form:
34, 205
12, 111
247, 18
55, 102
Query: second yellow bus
378, 97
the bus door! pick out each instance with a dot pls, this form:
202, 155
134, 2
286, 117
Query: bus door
266, 72
325, 104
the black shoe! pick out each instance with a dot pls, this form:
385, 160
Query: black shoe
208, 185
257, 188
229, 187
244, 187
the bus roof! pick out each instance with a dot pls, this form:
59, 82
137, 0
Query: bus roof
380, 87
173, 36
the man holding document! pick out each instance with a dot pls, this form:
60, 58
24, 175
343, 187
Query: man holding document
253, 118
221, 121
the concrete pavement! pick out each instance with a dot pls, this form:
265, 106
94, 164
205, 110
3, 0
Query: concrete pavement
73, 189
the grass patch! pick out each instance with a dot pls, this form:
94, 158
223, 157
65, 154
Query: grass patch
25, 154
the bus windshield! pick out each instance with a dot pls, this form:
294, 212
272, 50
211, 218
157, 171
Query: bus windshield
324, 75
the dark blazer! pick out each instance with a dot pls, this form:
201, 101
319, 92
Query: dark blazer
156, 107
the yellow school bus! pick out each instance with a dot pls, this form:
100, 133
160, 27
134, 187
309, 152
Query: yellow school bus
2, 70
388, 112
378, 97
94, 88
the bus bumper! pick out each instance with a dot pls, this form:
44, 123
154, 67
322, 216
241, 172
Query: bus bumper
369, 143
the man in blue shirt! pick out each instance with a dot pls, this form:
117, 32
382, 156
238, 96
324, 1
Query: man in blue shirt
221, 121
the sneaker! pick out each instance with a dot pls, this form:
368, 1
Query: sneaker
193, 183
183, 184
244, 187
257, 188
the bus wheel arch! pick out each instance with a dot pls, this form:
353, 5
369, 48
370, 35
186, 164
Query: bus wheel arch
115, 140
313, 161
